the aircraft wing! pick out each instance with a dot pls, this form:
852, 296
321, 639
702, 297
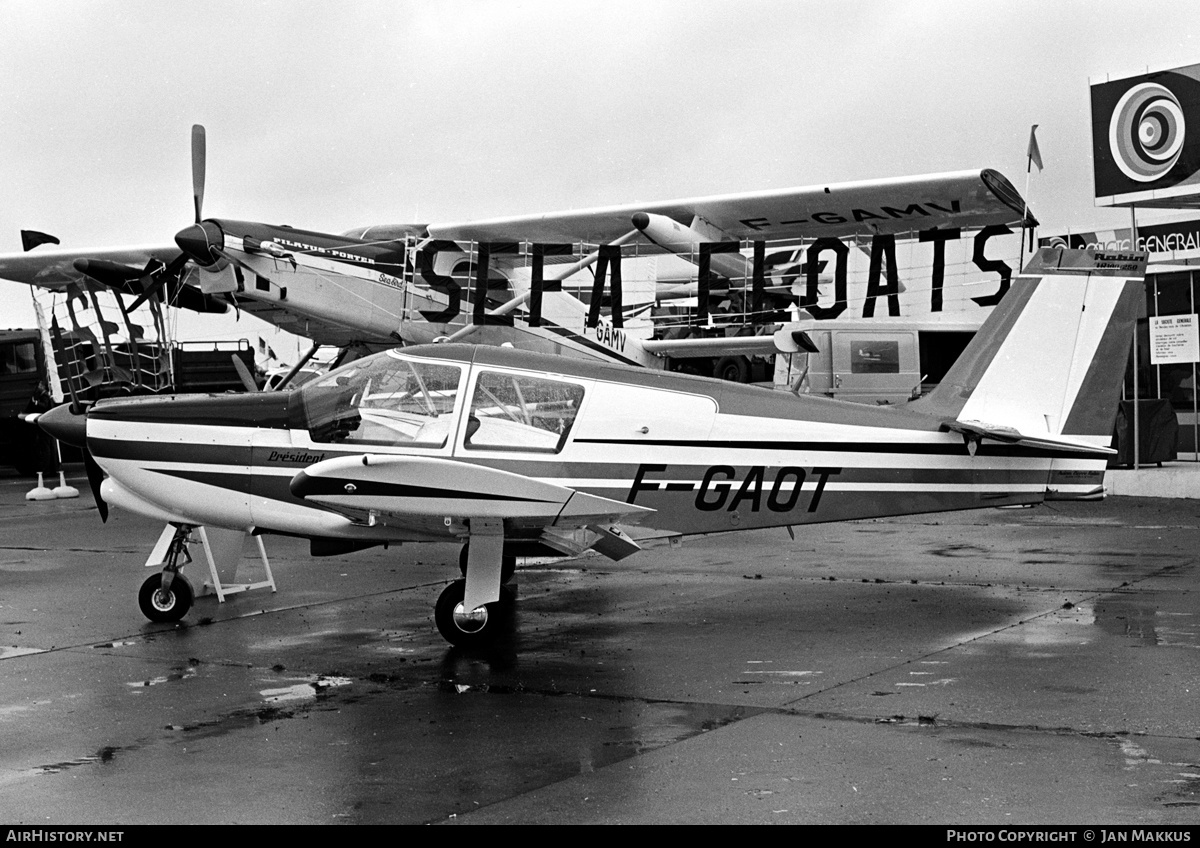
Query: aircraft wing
54, 269
965, 199
371, 487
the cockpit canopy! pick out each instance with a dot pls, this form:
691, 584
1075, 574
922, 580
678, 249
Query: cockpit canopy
398, 400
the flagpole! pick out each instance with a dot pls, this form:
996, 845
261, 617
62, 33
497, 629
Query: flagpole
1032, 155
1024, 214
1137, 392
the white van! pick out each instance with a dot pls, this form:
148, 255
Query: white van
873, 360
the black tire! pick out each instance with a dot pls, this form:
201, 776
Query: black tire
461, 631
508, 564
171, 605
735, 369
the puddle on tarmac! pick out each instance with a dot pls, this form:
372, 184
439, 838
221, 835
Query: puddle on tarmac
604, 729
1046, 517
778, 678
173, 677
757, 675
306, 690
617, 731
14, 710
397, 643
1071, 626
300, 640
927, 679
941, 681
1129, 618
103, 755
961, 551
1124, 616
393, 642
658, 725
1180, 781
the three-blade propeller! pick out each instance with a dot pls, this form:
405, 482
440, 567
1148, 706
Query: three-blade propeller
165, 280
68, 422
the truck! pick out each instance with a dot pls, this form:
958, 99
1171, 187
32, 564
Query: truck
26, 383
24, 389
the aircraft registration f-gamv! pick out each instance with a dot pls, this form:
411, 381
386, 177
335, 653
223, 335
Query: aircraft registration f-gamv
379, 286
516, 453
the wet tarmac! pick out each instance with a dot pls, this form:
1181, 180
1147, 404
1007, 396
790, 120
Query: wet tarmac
1007, 666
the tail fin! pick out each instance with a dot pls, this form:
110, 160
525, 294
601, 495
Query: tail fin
1050, 359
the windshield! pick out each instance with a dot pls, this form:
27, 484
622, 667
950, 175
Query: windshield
383, 399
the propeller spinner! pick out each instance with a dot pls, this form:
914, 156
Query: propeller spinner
68, 423
203, 242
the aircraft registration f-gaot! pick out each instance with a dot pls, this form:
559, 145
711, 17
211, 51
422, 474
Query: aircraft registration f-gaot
516, 453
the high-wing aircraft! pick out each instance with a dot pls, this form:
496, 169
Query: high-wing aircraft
516, 453
500, 280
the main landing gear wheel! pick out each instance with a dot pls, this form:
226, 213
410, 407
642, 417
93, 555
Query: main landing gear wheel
508, 564
467, 629
161, 605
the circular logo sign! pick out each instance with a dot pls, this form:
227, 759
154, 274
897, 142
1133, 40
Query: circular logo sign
1146, 132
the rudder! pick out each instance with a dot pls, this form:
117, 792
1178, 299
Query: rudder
1051, 357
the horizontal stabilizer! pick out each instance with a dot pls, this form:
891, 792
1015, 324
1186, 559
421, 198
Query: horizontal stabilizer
976, 430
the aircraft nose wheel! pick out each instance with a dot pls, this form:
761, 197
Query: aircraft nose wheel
161, 605
467, 628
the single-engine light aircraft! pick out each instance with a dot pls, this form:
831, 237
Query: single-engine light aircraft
516, 453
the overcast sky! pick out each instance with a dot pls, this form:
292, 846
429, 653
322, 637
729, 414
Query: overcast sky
328, 115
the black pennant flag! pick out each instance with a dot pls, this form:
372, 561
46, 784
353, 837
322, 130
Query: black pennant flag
32, 238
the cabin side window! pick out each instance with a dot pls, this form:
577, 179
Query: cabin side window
17, 358
385, 400
874, 356
515, 412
